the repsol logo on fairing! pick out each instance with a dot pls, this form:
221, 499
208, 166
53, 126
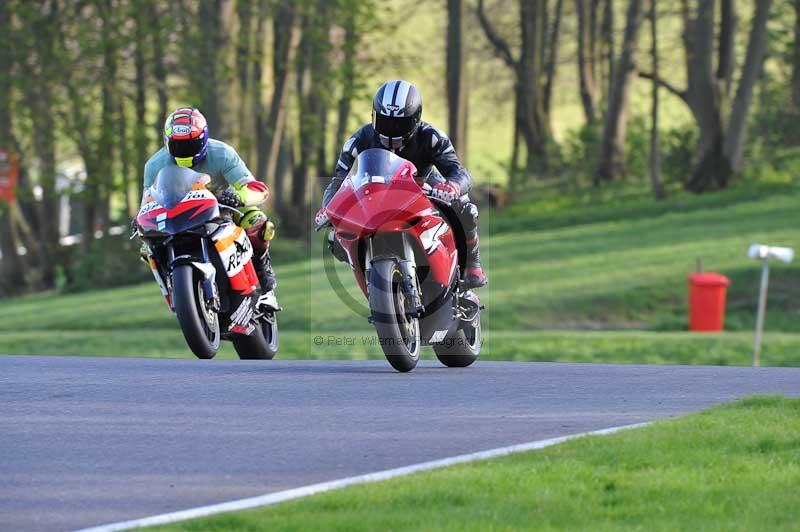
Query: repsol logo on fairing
240, 255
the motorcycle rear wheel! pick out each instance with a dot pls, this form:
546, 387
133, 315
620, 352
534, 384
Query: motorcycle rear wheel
262, 344
200, 325
398, 333
461, 348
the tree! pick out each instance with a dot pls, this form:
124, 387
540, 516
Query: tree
248, 56
607, 46
312, 79
208, 59
456, 84
530, 119
613, 140
158, 36
37, 44
586, 61
796, 56
550, 50
720, 121
140, 130
270, 131
655, 150
13, 264
347, 70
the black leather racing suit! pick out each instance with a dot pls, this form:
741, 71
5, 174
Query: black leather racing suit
435, 158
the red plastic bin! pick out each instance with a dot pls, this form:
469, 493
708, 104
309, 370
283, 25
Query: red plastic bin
707, 293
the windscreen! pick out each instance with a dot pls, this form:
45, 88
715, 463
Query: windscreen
172, 184
375, 166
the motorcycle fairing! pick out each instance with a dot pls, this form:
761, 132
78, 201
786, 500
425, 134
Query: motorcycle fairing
236, 253
198, 207
178, 200
381, 195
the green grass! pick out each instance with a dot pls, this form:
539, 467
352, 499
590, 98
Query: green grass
610, 347
610, 262
733, 467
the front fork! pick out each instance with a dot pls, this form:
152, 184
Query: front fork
204, 266
408, 268
410, 287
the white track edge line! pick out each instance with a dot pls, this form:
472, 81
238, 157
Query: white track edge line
305, 491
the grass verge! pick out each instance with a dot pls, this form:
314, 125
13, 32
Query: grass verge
733, 467
597, 261
612, 347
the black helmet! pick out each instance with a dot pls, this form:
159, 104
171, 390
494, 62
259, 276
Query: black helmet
396, 113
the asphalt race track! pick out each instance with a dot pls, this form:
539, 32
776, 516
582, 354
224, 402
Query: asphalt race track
87, 441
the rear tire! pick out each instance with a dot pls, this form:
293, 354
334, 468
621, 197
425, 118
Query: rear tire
262, 344
398, 334
200, 326
461, 348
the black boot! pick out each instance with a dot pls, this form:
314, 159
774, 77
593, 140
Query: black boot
474, 276
264, 271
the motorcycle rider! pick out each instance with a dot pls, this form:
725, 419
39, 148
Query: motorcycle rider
397, 126
187, 144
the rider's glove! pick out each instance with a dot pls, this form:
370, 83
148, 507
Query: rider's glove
252, 193
321, 218
230, 198
446, 192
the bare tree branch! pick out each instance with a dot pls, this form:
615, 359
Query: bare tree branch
500, 46
665, 84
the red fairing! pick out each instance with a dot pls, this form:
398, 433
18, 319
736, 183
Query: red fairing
150, 219
378, 206
435, 236
369, 204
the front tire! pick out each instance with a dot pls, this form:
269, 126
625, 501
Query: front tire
262, 344
461, 348
200, 325
398, 333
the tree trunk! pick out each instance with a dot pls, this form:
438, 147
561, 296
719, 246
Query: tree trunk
531, 120
551, 63
140, 83
796, 57
313, 70
107, 147
655, 150
588, 87
608, 49
158, 36
125, 158
255, 71
456, 85
719, 146
305, 135
208, 58
348, 73
754, 58
727, 47
286, 38
12, 267
612, 161
40, 100
244, 47
535, 125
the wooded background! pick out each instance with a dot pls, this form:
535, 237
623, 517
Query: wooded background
567, 93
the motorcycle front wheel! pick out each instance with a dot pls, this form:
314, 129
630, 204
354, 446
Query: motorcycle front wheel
398, 333
199, 324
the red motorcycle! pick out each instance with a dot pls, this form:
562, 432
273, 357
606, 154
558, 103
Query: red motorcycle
407, 254
202, 261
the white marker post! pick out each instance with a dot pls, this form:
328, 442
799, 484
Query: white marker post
764, 253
